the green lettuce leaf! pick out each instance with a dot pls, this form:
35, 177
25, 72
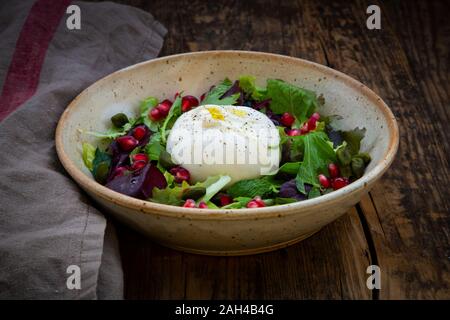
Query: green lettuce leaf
287, 97
153, 148
247, 84
213, 96
144, 108
317, 154
88, 155
213, 185
290, 168
174, 113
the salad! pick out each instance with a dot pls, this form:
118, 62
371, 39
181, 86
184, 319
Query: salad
153, 155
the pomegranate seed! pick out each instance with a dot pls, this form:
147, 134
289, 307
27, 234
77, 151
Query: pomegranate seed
189, 203
202, 97
140, 157
333, 170
324, 182
202, 205
176, 95
287, 119
119, 171
155, 114
259, 201
180, 174
164, 107
293, 132
138, 165
127, 143
225, 200
139, 132
316, 116
339, 182
252, 204
304, 129
188, 102
312, 123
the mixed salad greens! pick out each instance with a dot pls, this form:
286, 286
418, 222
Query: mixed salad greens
315, 157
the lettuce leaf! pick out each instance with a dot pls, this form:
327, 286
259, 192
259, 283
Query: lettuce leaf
88, 155
214, 96
286, 97
153, 148
247, 84
175, 112
145, 106
213, 185
317, 154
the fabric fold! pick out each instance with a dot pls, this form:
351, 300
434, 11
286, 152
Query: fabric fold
47, 223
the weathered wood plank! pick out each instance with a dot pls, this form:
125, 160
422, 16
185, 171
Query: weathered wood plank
408, 211
329, 265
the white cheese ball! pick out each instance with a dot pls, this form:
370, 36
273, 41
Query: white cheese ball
237, 141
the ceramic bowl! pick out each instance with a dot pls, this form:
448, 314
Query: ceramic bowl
226, 232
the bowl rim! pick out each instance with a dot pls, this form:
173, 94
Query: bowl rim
147, 207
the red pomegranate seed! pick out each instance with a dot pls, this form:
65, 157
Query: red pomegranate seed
202, 205
188, 102
259, 201
293, 132
252, 204
139, 132
189, 203
333, 170
127, 143
339, 182
180, 174
202, 97
225, 200
164, 107
324, 182
138, 165
155, 114
287, 119
304, 129
140, 157
118, 172
176, 95
312, 123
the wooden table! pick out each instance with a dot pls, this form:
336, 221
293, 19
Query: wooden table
403, 225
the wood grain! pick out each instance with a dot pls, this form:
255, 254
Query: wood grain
403, 225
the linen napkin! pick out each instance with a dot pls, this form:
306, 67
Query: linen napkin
49, 229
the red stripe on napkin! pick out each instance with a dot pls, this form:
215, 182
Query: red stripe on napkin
22, 78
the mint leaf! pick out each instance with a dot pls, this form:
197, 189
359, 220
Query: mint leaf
247, 84
289, 98
317, 154
215, 94
175, 112
88, 155
252, 187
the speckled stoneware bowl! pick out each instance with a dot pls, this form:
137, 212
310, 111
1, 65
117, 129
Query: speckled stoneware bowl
226, 232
